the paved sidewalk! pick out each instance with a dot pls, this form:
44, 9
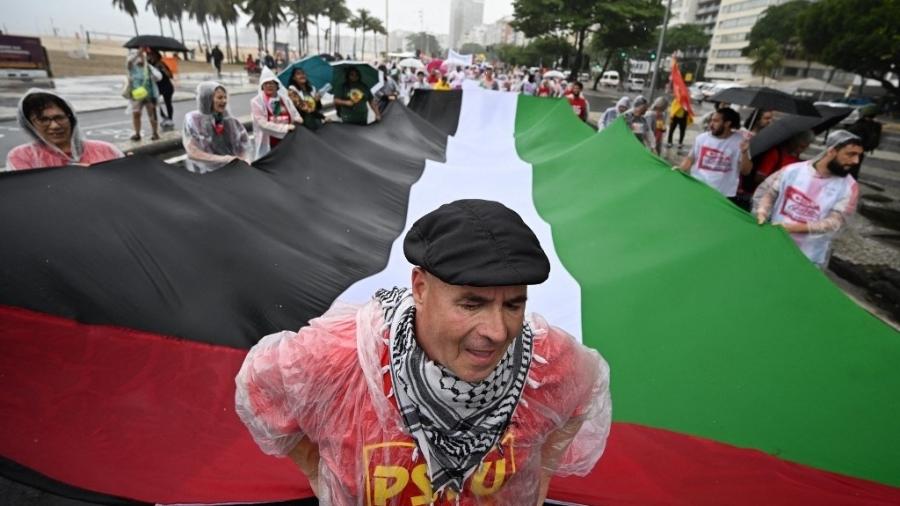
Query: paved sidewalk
94, 93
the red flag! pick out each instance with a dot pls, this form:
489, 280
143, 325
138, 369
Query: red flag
682, 97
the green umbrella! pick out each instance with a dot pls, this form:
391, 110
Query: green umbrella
369, 75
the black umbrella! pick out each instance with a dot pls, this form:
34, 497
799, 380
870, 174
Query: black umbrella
157, 42
766, 98
790, 125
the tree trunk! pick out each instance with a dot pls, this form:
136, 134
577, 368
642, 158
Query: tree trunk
274, 42
180, 30
806, 70
161, 32
171, 29
237, 47
362, 46
227, 43
299, 40
354, 43
576, 65
603, 68
134, 22
265, 39
318, 46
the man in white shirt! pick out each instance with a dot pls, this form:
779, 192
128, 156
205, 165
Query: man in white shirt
720, 156
811, 199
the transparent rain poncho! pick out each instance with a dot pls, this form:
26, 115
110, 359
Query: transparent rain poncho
212, 140
330, 383
39, 153
265, 126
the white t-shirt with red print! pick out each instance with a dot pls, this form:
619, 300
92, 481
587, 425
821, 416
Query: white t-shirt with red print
717, 161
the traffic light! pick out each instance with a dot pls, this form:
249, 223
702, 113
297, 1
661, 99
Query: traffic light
652, 55
623, 54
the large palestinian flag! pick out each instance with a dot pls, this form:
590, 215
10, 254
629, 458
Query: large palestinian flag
131, 291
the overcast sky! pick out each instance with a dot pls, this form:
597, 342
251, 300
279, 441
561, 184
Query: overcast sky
39, 17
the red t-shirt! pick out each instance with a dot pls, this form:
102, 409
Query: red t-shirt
579, 105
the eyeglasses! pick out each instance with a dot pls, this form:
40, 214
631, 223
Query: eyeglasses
44, 121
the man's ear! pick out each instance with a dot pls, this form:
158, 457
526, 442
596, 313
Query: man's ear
419, 284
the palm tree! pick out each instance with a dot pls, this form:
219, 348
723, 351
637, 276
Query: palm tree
767, 57
364, 20
159, 9
201, 11
338, 13
355, 24
130, 8
265, 15
225, 11
377, 27
174, 10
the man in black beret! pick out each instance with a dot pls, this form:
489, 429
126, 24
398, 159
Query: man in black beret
444, 393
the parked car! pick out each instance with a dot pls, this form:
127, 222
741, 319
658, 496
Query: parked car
610, 78
711, 91
696, 90
634, 84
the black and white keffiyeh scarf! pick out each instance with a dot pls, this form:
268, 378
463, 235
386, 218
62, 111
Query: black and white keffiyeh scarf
455, 423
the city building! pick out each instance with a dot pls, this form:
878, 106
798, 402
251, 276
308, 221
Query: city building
498, 32
731, 35
464, 15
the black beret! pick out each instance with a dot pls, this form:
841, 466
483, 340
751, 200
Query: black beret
477, 243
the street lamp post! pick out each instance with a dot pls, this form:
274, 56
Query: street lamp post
659, 48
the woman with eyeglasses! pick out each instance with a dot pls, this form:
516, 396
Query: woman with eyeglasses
56, 139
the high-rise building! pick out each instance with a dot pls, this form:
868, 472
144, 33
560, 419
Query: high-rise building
464, 15
730, 36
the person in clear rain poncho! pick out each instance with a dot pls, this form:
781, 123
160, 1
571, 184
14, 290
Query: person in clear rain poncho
50, 121
211, 137
273, 113
445, 393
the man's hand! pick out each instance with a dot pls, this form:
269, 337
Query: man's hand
306, 456
760, 219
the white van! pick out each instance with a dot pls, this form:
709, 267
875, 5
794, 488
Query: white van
610, 78
634, 84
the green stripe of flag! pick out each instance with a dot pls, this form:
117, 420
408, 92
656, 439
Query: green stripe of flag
712, 325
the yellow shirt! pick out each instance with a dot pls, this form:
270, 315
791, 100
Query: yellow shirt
442, 86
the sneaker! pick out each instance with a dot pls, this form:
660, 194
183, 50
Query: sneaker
154, 137
668, 145
135, 137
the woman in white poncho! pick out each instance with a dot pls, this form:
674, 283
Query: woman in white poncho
273, 113
212, 138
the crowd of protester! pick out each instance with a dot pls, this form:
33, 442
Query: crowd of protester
809, 198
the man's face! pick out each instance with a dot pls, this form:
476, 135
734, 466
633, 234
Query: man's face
53, 125
717, 125
621, 108
765, 119
576, 90
466, 329
844, 159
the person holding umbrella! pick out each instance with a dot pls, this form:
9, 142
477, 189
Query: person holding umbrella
719, 156
142, 91
353, 99
306, 99
812, 199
